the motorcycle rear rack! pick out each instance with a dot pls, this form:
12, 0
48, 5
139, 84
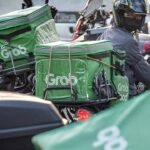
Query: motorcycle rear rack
75, 101
87, 103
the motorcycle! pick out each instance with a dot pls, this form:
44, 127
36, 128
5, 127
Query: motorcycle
86, 32
92, 16
18, 37
64, 76
80, 78
98, 70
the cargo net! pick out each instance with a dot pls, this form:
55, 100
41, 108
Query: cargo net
46, 33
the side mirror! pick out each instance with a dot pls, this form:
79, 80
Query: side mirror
91, 6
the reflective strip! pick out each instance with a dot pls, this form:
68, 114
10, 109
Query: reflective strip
80, 48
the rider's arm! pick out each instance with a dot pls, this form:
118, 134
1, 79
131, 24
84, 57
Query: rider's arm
135, 59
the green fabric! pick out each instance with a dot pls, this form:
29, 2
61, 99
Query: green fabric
46, 32
32, 16
84, 60
76, 48
15, 51
123, 127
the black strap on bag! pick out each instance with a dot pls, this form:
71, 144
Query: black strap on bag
8, 37
27, 4
46, 1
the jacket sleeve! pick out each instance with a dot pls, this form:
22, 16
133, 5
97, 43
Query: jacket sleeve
136, 60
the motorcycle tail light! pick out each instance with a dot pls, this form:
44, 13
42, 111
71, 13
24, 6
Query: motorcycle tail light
147, 46
83, 114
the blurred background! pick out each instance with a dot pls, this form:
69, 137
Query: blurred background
68, 13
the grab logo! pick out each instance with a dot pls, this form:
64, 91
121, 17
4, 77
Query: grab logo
53, 80
123, 90
111, 139
20, 50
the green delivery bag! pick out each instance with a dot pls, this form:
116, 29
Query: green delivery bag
18, 37
80, 72
123, 127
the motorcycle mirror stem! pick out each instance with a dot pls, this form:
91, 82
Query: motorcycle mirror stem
90, 7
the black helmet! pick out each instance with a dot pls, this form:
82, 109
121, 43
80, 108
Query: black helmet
129, 14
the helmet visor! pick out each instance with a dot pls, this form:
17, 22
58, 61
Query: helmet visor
138, 6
